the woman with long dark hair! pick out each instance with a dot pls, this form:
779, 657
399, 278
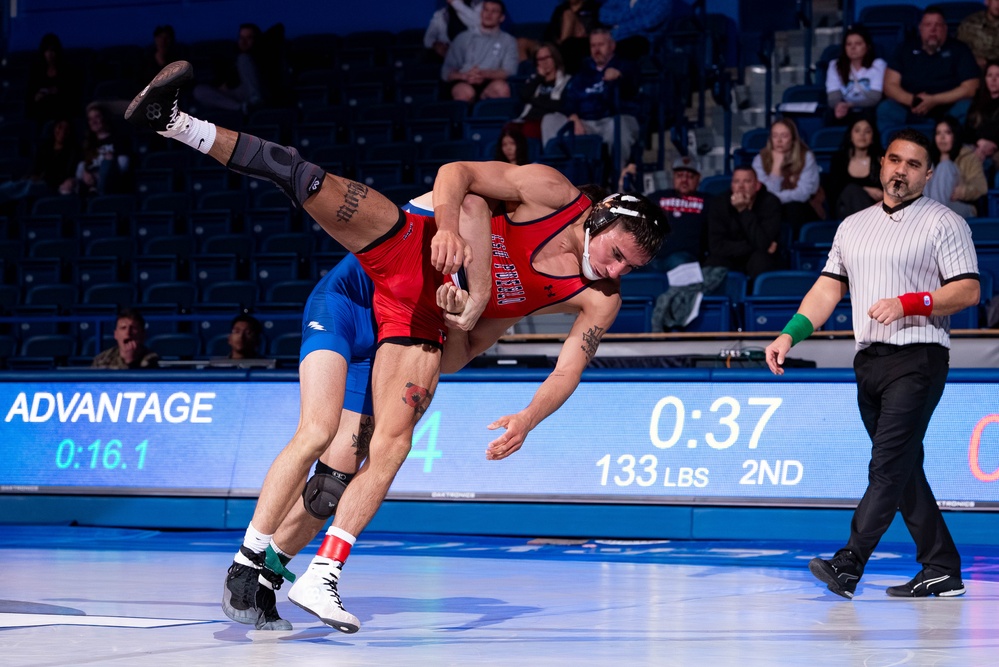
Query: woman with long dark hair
982, 127
855, 172
958, 177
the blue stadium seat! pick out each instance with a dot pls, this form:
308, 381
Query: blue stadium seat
175, 346
204, 223
650, 285
274, 268
233, 245
179, 245
173, 202
716, 185
181, 293
207, 269
234, 201
286, 346
201, 180
122, 247
150, 269
63, 249
62, 297
119, 205
296, 243
775, 298
635, 315
119, 294
810, 251
753, 141
57, 347
147, 224
60, 205
239, 292
89, 226
35, 321
153, 181
42, 271
42, 227
290, 291
88, 271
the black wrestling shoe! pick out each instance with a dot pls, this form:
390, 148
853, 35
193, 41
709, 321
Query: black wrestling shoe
928, 582
239, 595
156, 106
266, 604
840, 574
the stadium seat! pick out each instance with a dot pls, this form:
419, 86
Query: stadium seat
181, 293
57, 348
119, 294
269, 269
239, 292
92, 270
61, 296
173, 346
286, 346
290, 291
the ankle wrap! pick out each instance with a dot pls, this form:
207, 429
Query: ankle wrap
281, 165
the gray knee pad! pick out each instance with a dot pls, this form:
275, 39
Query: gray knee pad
281, 165
322, 493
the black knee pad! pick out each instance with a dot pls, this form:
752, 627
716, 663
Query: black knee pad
322, 493
281, 165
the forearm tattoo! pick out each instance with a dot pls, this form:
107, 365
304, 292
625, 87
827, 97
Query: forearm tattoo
417, 398
355, 193
591, 339
362, 439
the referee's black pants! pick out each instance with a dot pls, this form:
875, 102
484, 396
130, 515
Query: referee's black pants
898, 387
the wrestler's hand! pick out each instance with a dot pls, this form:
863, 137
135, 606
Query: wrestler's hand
886, 311
517, 427
776, 352
448, 251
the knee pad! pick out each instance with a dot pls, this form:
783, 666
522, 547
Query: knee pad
278, 164
322, 493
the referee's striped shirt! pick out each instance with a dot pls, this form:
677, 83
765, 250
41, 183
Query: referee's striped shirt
915, 247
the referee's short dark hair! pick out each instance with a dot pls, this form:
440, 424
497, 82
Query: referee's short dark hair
913, 136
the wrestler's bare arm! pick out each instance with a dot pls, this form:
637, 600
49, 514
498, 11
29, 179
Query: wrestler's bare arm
533, 185
598, 308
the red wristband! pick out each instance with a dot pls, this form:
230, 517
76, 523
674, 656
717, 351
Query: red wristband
916, 303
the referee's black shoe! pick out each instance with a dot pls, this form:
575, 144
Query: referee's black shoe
840, 574
929, 582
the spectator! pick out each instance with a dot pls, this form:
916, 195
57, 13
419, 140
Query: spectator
685, 208
542, 92
51, 92
855, 172
789, 170
448, 22
744, 227
164, 51
130, 350
936, 77
569, 29
105, 167
636, 24
244, 337
855, 80
54, 168
240, 88
591, 99
480, 62
958, 178
511, 147
980, 31
982, 128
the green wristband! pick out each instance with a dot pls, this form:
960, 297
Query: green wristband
798, 328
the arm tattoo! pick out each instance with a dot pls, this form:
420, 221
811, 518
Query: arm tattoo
351, 199
362, 439
590, 341
417, 398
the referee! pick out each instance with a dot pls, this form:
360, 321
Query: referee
908, 263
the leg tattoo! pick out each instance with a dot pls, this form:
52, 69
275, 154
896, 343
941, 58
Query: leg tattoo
417, 398
362, 439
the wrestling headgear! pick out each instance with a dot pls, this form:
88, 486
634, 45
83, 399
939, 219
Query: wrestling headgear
603, 214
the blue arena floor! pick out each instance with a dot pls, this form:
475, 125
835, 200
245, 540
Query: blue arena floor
109, 596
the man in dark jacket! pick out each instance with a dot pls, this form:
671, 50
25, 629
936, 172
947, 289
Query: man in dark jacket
744, 227
591, 100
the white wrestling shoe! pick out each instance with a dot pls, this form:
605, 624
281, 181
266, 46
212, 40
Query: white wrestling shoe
315, 592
